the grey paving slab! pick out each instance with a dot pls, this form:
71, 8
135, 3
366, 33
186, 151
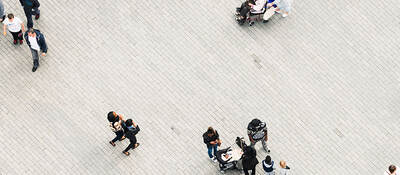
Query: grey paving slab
325, 79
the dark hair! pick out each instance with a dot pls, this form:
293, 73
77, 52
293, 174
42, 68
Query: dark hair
392, 168
129, 122
110, 116
210, 130
31, 31
10, 16
268, 160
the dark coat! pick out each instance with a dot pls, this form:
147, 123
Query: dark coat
35, 3
207, 139
249, 158
131, 133
39, 38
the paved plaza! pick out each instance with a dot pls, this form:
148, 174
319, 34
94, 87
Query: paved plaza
326, 80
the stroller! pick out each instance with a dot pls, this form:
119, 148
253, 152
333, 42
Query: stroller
231, 158
265, 14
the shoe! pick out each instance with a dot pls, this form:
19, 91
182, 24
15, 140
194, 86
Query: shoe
251, 23
112, 143
136, 145
21, 41
285, 15
37, 16
15, 42
126, 153
215, 159
265, 21
34, 68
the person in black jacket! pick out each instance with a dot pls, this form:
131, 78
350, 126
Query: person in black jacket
36, 43
131, 129
31, 7
249, 160
211, 139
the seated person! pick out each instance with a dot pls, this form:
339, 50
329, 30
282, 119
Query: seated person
250, 5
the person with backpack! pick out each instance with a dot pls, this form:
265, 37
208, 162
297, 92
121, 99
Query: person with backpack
268, 166
116, 125
131, 129
257, 131
31, 7
36, 43
211, 139
249, 160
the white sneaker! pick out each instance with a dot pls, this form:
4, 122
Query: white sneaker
215, 159
285, 15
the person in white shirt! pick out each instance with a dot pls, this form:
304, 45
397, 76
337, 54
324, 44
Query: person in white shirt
284, 169
284, 7
15, 26
36, 43
391, 170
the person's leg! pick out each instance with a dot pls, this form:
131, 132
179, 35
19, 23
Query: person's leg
246, 171
131, 145
265, 145
215, 149
28, 14
210, 152
15, 36
118, 136
20, 37
35, 56
253, 171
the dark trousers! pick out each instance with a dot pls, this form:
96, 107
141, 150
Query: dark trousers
17, 35
29, 11
35, 56
119, 136
131, 145
253, 171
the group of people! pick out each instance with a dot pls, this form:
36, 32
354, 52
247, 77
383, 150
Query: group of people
257, 6
33, 37
256, 131
123, 129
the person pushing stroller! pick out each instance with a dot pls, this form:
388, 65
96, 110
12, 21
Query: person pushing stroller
257, 131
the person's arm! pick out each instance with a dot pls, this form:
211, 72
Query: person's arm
4, 30
266, 135
205, 139
43, 44
23, 27
250, 138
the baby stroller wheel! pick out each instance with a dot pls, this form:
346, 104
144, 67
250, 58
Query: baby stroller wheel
251, 23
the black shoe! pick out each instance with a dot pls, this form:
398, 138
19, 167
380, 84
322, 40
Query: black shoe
251, 23
265, 21
34, 68
37, 16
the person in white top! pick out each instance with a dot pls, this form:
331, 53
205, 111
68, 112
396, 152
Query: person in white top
15, 26
284, 7
284, 169
36, 42
391, 170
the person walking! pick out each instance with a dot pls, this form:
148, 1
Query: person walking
249, 160
36, 43
2, 14
211, 139
131, 130
268, 166
284, 169
391, 170
15, 26
257, 131
31, 7
116, 125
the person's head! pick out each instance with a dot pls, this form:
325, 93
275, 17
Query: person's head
10, 17
268, 160
392, 168
111, 116
282, 163
210, 131
129, 122
31, 32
